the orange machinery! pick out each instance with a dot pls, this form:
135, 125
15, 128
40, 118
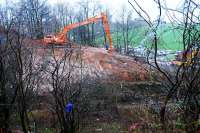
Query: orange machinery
186, 58
61, 38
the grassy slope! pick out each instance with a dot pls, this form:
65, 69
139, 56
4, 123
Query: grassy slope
169, 38
135, 36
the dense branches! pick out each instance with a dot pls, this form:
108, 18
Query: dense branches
182, 83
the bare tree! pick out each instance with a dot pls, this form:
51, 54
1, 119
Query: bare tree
18, 68
125, 27
182, 82
35, 14
64, 76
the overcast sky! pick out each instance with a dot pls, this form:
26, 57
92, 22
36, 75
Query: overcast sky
115, 6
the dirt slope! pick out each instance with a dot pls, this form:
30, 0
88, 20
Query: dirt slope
107, 66
114, 66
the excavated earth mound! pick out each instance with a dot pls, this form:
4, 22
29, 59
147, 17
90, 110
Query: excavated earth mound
102, 65
114, 66
97, 63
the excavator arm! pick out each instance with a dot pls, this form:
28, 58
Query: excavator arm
61, 38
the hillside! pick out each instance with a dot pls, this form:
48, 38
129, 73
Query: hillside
169, 37
99, 64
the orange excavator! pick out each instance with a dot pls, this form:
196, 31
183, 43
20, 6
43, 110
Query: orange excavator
61, 37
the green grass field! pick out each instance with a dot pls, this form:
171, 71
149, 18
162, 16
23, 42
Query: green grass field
168, 38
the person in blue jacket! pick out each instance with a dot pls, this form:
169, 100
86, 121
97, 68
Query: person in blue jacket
69, 109
107, 46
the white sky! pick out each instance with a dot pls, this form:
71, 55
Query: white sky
115, 6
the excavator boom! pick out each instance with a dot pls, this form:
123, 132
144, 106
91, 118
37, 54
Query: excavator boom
61, 38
